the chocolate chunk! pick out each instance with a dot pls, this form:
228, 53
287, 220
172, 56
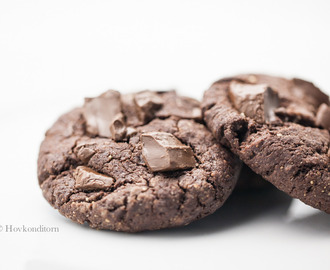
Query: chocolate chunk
296, 113
101, 111
164, 152
147, 103
309, 93
182, 107
130, 132
130, 110
299, 99
84, 154
88, 179
118, 128
256, 101
323, 116
271, 102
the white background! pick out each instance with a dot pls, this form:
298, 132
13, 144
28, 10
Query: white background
54, 53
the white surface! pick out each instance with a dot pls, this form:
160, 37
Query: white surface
53, 53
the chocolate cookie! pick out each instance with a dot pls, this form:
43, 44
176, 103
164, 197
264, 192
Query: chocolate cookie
135, 162
279, 128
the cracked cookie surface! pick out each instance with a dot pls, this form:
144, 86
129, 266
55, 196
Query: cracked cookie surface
106, 183
290, 149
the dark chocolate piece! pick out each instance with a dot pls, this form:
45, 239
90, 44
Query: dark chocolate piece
129, 109
308, 93
118, 128
323, 116
130, 132
257, 101
100, 113
85, 153
182, 107
296, 113
141, 107
271, 102
88, 179
163, 152
147, 103
299, 99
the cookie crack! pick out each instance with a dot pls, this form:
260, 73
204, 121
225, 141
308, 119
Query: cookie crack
182, 198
